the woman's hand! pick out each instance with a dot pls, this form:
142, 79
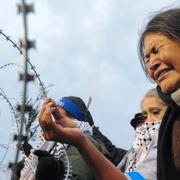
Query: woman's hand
64, 131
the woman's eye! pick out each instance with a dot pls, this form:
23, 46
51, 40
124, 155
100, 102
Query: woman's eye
156, 112
155, 50
146, 61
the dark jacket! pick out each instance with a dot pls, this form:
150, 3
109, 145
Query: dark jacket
168, 156
117, 154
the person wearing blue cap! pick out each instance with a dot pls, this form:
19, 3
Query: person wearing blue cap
52, 168
75, 109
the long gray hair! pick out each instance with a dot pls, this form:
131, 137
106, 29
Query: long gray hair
165, 22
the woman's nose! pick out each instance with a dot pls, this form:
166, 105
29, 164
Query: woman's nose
149, 118
154, 63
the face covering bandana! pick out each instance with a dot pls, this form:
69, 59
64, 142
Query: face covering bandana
146, 135
83, 126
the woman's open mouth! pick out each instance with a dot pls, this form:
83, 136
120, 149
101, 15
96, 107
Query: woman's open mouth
160, 74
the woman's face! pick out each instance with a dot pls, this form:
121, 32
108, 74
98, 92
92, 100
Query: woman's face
162, 59
153, 109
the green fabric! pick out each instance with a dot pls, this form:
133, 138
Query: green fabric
80, 170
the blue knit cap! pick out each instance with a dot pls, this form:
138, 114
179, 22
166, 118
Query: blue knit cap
74, 106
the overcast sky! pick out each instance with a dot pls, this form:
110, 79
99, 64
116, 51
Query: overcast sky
83, 48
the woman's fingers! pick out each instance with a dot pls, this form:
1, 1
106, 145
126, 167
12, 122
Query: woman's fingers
46, 101
45, 115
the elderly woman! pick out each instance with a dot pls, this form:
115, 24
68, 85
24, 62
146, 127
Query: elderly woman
141, 158
160, 58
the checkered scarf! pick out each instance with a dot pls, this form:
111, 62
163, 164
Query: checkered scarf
144, 136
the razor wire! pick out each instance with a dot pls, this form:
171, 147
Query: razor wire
42, 95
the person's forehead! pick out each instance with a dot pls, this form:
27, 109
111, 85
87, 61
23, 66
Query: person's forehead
153, 39
150, 102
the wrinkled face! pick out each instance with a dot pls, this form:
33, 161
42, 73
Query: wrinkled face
153, 109
162, 59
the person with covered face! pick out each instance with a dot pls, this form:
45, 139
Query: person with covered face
159, 48
141, 159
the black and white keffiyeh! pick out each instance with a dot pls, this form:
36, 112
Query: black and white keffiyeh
83, 126
28, 172
145, 135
